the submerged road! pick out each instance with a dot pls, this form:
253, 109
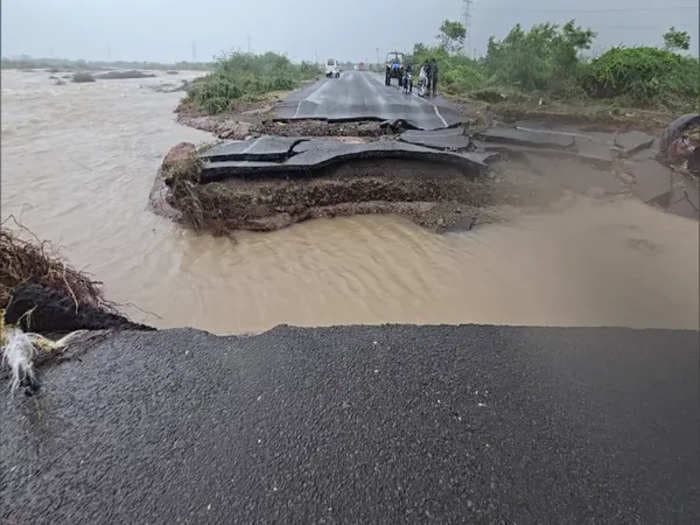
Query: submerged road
361, 424
359, 95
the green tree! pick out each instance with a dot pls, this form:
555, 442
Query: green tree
674, 39
452, 35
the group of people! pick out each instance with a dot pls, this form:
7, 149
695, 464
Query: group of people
428, 77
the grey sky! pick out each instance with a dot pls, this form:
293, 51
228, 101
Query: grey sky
164, 30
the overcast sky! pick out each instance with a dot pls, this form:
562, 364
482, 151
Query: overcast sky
165, 30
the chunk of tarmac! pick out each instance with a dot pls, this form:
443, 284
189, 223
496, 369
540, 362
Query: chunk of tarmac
530, 138
361, 424
632, 142
450, 139
302, 157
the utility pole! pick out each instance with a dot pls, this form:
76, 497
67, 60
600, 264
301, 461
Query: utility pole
468, 26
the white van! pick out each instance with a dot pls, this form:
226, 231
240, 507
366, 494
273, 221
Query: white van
332, 68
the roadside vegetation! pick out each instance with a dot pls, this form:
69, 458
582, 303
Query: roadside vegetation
246, 77
547, 63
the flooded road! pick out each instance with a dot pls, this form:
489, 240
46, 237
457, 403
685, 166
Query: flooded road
78, 162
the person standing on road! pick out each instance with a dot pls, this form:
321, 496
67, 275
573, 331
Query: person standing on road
408, 79
434, 70
428, 77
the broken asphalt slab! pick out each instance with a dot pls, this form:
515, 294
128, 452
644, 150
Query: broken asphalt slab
632, 142
653, 182
450, 139
263, 149
304, 157
359, 96
529, 138
361, 424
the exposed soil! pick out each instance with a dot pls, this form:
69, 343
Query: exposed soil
438, 197
252, 119
239, 126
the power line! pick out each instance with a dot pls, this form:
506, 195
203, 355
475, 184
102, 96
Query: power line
604, 10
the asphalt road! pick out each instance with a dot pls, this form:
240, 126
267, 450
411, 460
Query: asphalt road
358, 95
361, 424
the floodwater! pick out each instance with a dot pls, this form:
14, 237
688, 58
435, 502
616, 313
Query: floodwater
78, 162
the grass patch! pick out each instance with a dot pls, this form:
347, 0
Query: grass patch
246, 77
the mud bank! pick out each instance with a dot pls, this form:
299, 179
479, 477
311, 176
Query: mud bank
436, 196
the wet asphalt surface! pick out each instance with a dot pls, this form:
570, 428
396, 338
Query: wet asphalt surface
359, 95
361, 424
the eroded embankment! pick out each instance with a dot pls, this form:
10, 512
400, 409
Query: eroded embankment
434, 195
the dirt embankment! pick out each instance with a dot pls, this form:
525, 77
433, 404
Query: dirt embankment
435, 196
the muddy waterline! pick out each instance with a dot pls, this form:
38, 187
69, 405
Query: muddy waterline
78, 162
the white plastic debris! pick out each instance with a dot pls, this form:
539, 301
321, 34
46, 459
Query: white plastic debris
20, 349
18, 354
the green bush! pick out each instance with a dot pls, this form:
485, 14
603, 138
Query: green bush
544, 58
458, 74
245, 76
645, 75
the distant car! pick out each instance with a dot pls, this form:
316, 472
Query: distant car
394, 66
332, 68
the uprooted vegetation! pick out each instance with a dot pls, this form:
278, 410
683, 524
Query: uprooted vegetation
23, 261
547, 64
246, 77
40, 292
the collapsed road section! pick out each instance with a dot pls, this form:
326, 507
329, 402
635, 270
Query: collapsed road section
442, 179
268, 183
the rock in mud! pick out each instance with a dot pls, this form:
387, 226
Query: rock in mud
40, 309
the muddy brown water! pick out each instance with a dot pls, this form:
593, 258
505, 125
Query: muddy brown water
78, 162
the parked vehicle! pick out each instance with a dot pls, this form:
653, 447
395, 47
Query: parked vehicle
394, 66
332, 68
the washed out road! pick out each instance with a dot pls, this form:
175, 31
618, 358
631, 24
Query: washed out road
361, 425
359, 95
